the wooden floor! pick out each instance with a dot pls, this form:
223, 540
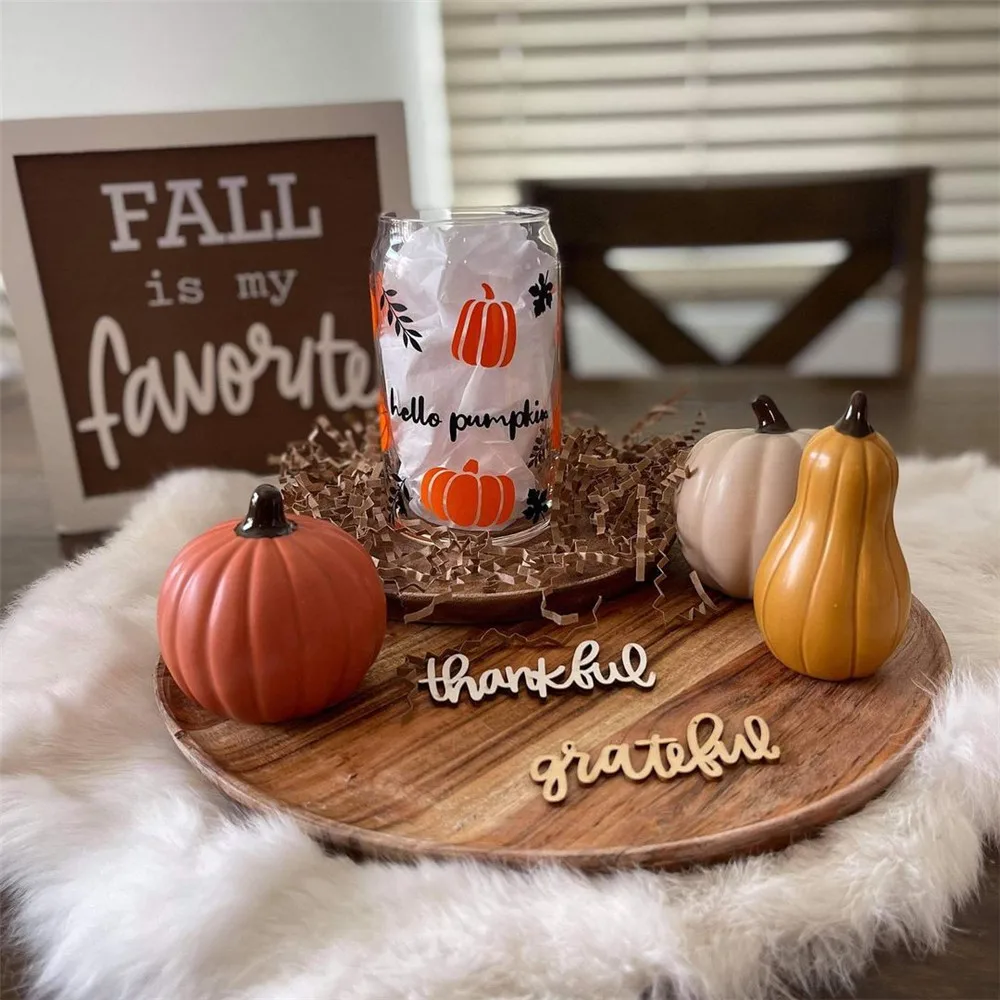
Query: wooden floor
933, 416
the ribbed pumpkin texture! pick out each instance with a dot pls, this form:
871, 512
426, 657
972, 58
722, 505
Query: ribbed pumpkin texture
832, 592
267, 618
486, 332
467, 499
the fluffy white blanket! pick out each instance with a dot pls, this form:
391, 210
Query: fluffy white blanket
137, 881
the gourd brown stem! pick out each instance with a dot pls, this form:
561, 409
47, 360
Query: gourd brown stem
854, 422
265, 515
769, 417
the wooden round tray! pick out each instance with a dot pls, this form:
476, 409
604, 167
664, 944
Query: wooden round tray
392, 774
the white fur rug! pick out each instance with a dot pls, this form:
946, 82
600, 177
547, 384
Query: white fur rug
137, 881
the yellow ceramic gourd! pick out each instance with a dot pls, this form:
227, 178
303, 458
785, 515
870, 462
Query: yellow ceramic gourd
832, 594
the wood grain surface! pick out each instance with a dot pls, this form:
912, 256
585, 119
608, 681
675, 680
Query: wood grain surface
389, 773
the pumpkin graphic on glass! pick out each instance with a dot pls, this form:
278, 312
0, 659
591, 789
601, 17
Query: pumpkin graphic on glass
486, 332
270, 618
467, 499
832, 594
384, 423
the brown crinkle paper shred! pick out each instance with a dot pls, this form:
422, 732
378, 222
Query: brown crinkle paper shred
611, 506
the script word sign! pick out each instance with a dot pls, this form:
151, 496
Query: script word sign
447, 683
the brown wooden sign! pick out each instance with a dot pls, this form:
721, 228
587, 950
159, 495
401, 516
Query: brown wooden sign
205, 295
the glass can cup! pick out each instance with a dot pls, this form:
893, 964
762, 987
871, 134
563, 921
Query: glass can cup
467, 316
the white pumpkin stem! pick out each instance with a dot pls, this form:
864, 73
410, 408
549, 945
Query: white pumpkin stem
769, 418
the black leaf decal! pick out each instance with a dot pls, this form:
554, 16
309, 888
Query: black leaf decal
541, 293
399, 497
540, 448
401, 321
536, 505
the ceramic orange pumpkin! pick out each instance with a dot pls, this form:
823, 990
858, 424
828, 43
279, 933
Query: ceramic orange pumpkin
269, 618
486, 332
467, 499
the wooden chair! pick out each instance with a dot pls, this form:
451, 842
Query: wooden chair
881, 216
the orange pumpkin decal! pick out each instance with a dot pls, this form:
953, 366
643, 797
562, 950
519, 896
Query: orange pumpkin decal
384, 424
270, 618
375, 294
486, 332
467, 499
556, 436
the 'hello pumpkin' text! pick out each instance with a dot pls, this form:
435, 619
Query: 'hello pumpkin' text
416, 411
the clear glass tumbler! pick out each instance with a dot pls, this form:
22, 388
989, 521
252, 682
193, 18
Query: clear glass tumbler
466, 310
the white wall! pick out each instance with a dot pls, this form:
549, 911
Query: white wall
130, 56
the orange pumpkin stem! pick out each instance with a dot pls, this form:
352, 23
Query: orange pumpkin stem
471, 466
488, 291
265, 516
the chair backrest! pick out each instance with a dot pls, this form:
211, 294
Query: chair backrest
882, 217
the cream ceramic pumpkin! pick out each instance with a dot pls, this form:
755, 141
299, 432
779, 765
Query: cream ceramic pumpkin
741, 485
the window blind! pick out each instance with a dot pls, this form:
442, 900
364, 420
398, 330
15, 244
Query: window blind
568, 89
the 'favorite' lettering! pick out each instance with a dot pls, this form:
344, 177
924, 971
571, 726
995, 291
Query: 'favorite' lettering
225, 373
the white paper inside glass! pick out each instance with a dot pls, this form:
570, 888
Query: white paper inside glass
444, 410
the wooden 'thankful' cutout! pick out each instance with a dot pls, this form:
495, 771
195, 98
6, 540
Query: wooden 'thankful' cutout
583, 673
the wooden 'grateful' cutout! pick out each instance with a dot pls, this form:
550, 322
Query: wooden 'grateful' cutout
666, 757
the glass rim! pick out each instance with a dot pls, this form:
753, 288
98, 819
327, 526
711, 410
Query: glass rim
475, 215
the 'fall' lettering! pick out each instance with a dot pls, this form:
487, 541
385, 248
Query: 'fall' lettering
187, 209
